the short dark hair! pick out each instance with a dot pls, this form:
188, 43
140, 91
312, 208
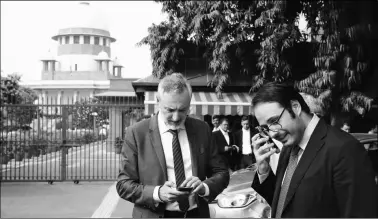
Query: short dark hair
223, 119
215, 117
281, 93
244, 118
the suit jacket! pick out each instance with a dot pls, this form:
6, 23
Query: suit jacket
239, 138
144, 167
221, 142
334, 178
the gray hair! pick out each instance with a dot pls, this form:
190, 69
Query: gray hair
174, 83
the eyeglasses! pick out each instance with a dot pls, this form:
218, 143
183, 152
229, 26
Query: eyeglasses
275, 126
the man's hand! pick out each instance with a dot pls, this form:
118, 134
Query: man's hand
262, 151
234, 147
195, 183
169, 193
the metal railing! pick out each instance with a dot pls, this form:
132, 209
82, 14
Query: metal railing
57, 140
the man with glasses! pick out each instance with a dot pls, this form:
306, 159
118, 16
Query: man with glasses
322, 171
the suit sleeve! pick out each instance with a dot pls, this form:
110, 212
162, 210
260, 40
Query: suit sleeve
128, 186
354, 183
265, 189
216, 142
217, 173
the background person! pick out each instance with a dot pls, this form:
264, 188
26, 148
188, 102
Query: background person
243, 140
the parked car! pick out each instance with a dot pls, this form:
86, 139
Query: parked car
239, 200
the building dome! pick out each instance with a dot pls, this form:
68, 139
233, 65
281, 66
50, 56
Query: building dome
49, 56
84, 15
116, 62
102, 56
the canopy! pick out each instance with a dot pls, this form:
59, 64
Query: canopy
207, 103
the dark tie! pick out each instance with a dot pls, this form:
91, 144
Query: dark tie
293, 161
179, 167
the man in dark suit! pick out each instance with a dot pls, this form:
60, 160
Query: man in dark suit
243, 141
168, 151
322, 171
225, 143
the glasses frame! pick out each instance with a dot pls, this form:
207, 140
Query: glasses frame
277, 122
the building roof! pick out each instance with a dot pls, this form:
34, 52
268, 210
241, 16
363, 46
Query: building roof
84, 15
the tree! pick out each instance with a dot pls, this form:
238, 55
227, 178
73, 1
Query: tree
345, 34
82, 113
17, 103
261, 38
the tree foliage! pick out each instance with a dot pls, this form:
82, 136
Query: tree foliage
86, 110
14, 115
259, 37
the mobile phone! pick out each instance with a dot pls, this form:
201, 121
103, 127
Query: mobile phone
184, 189
263, 134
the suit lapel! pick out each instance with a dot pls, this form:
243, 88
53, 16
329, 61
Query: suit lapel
194, 146
156, 142
281, 168
315, 143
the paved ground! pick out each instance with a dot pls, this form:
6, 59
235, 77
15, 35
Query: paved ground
63, 200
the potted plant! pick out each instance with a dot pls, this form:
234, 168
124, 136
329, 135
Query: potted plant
4, 156
118, 145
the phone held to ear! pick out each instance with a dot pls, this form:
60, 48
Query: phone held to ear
263, 134
184, 189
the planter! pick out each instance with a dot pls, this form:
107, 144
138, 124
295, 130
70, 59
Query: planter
118, 150
4, 159
19, 156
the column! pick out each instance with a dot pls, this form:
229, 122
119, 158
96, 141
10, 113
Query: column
75, 96
81, 39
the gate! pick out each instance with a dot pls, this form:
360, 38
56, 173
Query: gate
72, 141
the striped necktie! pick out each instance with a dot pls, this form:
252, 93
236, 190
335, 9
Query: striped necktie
293, 161
179, 167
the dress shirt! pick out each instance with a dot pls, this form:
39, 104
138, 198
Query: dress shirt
302, 144
215, 129
166, 139
246, 148
226, 136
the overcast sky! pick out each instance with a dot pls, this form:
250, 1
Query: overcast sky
27, 28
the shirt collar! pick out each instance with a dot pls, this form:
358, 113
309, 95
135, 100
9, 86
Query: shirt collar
246, 130
163, 127
308, 131
223, 132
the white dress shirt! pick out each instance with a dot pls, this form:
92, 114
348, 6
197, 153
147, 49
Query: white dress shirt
225, 134
166, 140
302, 144
246, 148
215, 129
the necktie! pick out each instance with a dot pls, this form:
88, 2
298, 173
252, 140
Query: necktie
179, 167
293, 161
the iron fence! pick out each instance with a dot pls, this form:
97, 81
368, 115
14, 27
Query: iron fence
58, 139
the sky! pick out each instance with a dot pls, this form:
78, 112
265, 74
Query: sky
27, 28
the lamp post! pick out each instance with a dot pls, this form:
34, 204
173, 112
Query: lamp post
94, 114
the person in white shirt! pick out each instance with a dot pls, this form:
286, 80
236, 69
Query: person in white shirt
322, 171
168, 151
243, 141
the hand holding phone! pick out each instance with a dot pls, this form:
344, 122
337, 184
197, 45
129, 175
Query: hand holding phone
184, 189
263, 134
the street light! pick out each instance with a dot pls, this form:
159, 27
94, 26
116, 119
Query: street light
94, 114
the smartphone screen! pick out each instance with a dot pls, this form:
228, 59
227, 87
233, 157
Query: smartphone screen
184, 189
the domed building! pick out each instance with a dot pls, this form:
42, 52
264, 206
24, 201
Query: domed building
83, 66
